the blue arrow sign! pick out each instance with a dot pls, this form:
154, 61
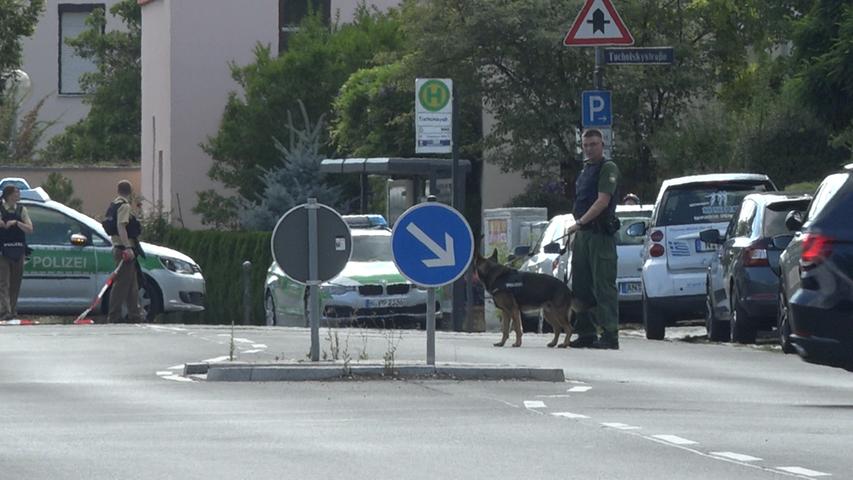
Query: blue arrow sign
432, 244
595, 109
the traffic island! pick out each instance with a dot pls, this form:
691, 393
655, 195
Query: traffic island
296, 372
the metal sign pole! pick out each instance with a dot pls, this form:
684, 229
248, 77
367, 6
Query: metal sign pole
430, 326
313, 279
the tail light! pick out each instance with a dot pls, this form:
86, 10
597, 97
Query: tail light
657, 236
755, 255
657, 250
816, 248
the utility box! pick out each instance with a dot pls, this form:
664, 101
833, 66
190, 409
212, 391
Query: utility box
503, 230
400, 196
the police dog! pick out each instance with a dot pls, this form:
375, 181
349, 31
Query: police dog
514, 291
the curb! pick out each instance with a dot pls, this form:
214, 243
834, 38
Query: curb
245, 372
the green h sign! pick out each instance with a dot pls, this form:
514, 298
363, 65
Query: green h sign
434, 95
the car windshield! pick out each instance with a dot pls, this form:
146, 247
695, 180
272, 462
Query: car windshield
704, 203
775, 214
371, 248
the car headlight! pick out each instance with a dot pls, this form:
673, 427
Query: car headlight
335, 289
179, 266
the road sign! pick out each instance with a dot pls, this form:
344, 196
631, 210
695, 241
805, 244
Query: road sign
291, 247
598, 24
596, 109
639, 56
433, 115
432, 244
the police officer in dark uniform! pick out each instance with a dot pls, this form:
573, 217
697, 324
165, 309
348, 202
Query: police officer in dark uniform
124, 230
15, 224
594, 248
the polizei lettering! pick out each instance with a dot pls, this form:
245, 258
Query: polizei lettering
59, 263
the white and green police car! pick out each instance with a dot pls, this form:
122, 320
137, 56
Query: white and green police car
72, 258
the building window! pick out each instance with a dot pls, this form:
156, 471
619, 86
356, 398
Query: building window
72, 22
291, 12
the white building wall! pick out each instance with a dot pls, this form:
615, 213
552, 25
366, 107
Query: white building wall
41, 63
497, 187
156, 116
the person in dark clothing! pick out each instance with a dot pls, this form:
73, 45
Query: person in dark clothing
594, 248
124, 233
15, 224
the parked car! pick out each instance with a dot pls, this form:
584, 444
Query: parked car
675, 260
629, 259
369, 291
816, 276
742, 287
72, 259
543, 258
368, 220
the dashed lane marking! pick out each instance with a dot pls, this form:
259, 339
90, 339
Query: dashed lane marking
258, 345
534, 404
216, 359
254, 350
736, 456
554, 396
579, 389
674, 439
176, 367
804, 471
569, 415
620, 426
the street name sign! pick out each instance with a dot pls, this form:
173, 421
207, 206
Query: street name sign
639, 56
432, 244
598, 24
433, 115
596, 110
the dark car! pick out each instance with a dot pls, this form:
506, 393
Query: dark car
742, 286
816, 276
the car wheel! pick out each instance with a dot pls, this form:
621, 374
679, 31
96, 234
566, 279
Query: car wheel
742, 328
269, 310
718, 330
783, 326
653, 321
150, 299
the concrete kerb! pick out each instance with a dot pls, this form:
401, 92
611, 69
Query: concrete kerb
295, 372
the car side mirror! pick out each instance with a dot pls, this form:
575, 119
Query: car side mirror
521, 251
780, 242
552, 247
636, 229
79, 240
711, 235
794, 221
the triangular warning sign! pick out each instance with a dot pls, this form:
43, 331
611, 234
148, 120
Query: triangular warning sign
598, 24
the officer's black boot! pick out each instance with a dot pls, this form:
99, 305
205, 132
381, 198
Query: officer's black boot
585, 341
607, 342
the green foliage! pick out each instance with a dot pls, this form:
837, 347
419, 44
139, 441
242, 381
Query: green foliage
318, 61
111, 132
60, 189
220, 256
217, 210
19, 137
809, 187
18, 18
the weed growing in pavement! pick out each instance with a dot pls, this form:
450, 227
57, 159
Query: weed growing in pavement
363, 354
392, 341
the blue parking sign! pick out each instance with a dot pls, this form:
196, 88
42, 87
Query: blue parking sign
595, 109
432, 244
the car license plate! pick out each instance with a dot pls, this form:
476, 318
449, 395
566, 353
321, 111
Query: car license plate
383, 302
630, 288
705, 247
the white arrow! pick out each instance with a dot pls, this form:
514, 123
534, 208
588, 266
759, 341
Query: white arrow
445, 256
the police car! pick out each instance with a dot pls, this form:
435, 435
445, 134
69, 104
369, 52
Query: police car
72, 258
675, 259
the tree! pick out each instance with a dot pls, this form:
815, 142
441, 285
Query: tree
294, 181
111, 132
318, 61
60, 189
19, 137
18, 18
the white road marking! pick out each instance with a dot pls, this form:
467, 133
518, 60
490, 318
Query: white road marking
675, 439
243, 340
258, 345
554, 396
164, 372
177, 378
216, 359
579, 389
804, 471
568, 415
161, 327
176, 367
736, 456
534, 404
255, 350
621, 426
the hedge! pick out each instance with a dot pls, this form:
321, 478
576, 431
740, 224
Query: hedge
220, 256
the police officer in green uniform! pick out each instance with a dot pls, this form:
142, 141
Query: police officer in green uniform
124, 230
594, 248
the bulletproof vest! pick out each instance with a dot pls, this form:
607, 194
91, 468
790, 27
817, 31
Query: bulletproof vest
13, 241
110, 223
586, 190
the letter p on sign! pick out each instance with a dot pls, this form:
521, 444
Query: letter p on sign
596, 110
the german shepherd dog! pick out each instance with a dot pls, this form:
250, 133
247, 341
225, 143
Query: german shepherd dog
514, 291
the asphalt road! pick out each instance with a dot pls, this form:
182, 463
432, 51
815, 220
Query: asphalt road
107, 402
